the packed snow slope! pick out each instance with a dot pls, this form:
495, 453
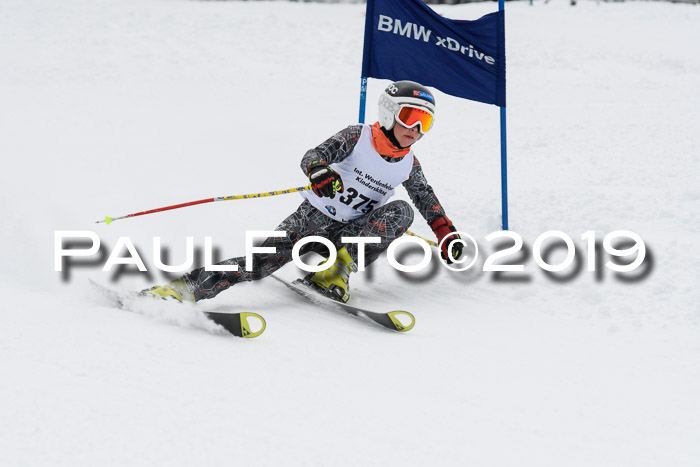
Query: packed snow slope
112, 107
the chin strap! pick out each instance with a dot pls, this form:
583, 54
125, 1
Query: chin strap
392, 137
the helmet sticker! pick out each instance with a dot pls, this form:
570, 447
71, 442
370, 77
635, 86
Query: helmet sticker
424, 95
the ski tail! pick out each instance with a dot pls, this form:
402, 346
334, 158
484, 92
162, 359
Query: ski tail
391, 319
237, 323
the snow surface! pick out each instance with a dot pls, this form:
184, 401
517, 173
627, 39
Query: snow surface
110, 107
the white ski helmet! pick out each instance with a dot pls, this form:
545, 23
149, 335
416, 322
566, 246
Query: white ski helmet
404, 93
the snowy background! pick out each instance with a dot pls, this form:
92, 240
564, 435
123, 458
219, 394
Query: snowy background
115, 106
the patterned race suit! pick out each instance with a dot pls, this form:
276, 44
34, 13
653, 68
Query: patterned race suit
387, 222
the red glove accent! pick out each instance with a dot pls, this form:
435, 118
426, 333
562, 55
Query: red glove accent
325, 182
442, 227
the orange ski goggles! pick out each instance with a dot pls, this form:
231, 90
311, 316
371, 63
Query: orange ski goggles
409, 116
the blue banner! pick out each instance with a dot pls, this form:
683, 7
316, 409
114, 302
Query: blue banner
405, 39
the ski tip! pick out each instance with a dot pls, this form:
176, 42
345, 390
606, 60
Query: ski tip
108, 220
247, 329
403, 320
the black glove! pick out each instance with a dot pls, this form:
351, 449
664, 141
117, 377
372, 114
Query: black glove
325, 181
442, 227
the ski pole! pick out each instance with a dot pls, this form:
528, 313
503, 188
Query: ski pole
429, 242
109, 220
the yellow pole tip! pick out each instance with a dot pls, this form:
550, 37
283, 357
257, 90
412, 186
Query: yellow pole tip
108, 219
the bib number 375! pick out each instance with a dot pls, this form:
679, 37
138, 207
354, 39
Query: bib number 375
363, 205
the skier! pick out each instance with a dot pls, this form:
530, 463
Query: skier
353, 174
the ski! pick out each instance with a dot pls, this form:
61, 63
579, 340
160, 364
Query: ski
235, 323
387, 320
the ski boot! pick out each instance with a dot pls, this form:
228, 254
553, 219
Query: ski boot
335, 281
175, 289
